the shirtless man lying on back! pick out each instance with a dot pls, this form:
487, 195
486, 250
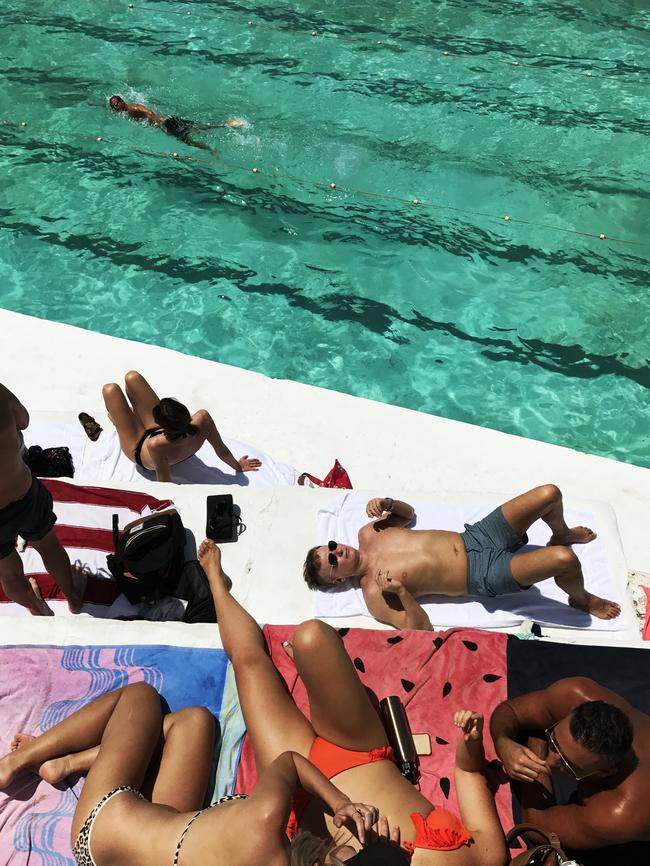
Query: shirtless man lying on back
395, 566
175, 126
26, 510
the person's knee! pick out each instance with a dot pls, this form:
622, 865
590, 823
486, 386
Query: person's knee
133, 378
195, 721
565, 559
110, 390
311, 636
141, 692
550, 493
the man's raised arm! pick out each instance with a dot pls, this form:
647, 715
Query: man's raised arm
389, 601
510, 721
393, 512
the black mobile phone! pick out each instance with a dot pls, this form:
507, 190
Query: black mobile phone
221, 525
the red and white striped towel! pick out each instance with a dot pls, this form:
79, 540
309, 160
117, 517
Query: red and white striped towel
84, 528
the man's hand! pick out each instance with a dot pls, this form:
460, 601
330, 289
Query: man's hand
233, 123
386, 583
378, 506
249, 464
520, 762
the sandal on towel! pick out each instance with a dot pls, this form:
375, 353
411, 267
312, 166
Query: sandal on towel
91, 426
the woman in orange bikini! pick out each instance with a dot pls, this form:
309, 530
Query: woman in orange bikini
156, 434
347, 741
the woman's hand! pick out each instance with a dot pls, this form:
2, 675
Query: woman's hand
471, 724
358, 814
249, 464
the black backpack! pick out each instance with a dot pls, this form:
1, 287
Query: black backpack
149, 556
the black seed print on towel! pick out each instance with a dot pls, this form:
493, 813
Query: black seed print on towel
442, 742
407, 685
343, 631
445, 786
491, 678
359, 665
471, 645
438, 642
395, 639
446, 689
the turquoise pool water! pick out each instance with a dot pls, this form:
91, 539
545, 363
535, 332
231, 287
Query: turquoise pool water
530, 330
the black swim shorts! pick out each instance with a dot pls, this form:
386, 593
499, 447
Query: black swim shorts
31, 517
178, 127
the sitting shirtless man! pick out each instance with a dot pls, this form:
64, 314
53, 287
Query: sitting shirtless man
26, 510
175, 126
578, 729
395, 566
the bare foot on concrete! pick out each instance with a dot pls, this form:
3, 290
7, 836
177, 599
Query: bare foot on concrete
596, 606
79, 581
575, 535
210, 559
41, 607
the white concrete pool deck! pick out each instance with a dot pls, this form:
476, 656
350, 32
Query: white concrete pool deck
386, 449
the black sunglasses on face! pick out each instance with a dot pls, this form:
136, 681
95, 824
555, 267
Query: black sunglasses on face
331, 557
554, 747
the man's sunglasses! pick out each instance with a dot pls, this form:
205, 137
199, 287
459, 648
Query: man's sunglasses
331, 556
553, 746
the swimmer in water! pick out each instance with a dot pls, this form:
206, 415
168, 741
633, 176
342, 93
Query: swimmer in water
175, 126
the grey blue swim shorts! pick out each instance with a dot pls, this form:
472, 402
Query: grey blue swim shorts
31, 517
490, 544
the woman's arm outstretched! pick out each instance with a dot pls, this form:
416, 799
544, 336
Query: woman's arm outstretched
477, 808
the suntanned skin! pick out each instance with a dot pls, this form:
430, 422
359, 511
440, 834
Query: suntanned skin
131, 418
137, 111
612, 804
395, 565
15, 481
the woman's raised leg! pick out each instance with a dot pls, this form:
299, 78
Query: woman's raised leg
273, 721
340, 708
127, 423
142, 397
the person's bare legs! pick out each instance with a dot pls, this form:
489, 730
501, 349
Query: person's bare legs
544, 503
332, 682
142, 397
18, 588
127, 723
126, 422
273, 721
179, 771
564, 566
71, 580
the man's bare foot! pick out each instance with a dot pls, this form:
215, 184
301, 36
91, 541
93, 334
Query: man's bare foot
20, 741
40, 608
287, 646
210, 559
575, 535
79, 581
596, 606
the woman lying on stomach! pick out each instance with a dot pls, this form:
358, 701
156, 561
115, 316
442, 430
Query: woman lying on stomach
156, 434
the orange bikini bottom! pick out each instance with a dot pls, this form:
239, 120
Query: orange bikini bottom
441, 830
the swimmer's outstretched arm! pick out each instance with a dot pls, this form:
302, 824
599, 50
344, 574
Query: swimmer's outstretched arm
231, 123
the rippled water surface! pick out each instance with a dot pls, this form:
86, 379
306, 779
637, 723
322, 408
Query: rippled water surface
451, 310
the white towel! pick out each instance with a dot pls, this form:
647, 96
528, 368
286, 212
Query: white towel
104, 460
545, 602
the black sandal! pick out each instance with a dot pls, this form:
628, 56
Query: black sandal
91, 426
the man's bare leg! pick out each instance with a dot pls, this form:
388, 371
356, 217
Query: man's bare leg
544, 503
72, 581
562, 564
18, 588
